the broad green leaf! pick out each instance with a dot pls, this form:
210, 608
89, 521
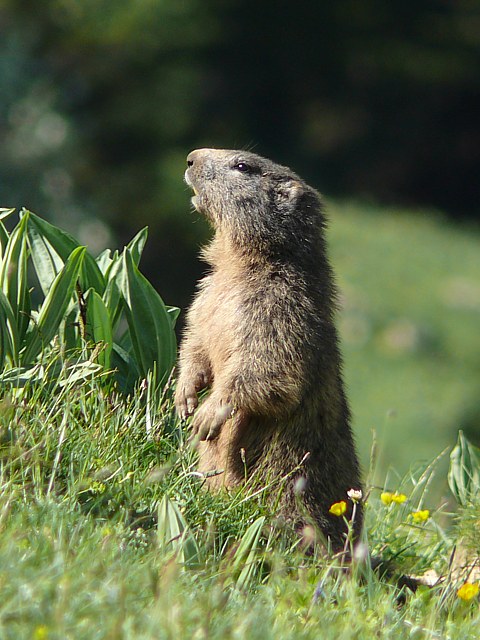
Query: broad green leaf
108, 263
114, 262
136, 245
174, 536
126, 342
246, 557
115, 275
9, 339
3, 239
173, 313
464, 472
14, 277
46, 261
69, 328
4, 213
104, 260
50, 248
151, 331
54, 306
112, 296
24, 308
125, 365
99, 328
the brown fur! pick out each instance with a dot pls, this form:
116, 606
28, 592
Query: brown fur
260, 336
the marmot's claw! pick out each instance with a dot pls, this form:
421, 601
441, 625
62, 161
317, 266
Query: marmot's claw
193, 440
209, 420
208, 431
213, 432
192, 404
186, 401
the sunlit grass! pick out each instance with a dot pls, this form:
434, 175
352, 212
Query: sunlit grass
107, 531
88, 551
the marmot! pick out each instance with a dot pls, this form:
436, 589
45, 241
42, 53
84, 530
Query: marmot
260, 335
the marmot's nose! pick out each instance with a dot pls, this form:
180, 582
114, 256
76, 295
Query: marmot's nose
202, 154
192, 156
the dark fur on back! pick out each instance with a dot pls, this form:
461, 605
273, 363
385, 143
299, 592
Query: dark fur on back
260, 335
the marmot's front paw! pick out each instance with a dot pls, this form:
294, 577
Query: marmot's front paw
209, 419
186, 400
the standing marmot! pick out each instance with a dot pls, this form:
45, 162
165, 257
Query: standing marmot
260, 335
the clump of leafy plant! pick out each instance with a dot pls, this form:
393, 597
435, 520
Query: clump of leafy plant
464, 481
103, 307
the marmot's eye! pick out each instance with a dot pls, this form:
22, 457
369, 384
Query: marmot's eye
243, 167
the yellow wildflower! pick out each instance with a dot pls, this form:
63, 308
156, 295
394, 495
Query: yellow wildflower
387, 497
41, 632
468, 591
338, 508
97, 487
420, 516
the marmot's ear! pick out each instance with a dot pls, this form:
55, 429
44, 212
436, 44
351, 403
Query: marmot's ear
290, 190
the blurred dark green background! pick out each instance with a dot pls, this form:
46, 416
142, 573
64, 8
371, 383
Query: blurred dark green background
377, 101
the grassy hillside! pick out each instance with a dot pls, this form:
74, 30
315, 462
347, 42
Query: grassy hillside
107, 531
410, 325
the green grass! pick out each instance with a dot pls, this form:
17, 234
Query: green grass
86, 552
83, 555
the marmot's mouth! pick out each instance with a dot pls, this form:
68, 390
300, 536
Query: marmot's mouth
195, 200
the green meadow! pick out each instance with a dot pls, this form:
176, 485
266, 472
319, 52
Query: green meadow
410, 319
106, 528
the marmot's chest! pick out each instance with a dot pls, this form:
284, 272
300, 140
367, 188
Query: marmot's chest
224, 310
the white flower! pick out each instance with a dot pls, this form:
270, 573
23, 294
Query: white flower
355, 495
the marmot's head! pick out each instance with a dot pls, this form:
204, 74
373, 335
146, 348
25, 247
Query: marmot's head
259, 204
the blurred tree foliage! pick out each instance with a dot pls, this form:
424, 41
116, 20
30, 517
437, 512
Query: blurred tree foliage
102, 99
